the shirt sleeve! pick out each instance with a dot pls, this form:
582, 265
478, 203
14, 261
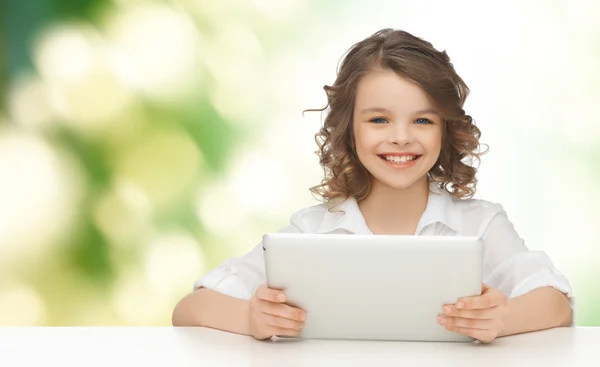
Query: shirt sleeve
510, 267
239, 276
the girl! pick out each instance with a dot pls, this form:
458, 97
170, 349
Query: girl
396, 147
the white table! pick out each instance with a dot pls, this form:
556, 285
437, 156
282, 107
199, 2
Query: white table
201, 347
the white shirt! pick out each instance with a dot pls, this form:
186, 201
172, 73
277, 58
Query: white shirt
508, 265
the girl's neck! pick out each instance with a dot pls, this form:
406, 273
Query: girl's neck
392, 211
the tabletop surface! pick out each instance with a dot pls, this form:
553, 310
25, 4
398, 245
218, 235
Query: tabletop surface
167, 346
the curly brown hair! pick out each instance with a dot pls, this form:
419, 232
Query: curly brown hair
418, 61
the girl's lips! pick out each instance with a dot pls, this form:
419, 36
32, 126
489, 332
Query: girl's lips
405, 164
398, 154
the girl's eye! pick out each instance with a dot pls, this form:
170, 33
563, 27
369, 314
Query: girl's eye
423, 121
378, 120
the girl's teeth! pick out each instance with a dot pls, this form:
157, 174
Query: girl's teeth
402, 159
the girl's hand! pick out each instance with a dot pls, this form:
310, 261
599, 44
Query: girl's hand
270, 316
480, 317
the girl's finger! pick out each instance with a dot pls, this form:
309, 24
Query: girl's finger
475, 303
491, 298
484, 336
485, 313
283, 322
279, 331
272, 295
282, 310
450, 322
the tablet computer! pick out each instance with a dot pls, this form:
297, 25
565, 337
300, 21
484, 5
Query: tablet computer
374, 287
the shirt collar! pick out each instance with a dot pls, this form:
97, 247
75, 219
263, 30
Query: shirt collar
348, 217
441, 208
345, 216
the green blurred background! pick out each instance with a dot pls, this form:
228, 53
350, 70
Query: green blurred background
144, 142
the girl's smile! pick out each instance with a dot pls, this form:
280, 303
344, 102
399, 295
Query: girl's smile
400, 160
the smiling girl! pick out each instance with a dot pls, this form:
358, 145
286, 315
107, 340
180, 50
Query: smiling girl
397, 149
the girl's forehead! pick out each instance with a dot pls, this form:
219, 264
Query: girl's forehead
385, 89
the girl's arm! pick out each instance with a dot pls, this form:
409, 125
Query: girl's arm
263, 316
539, 296
539, 309
205, 307
492, 315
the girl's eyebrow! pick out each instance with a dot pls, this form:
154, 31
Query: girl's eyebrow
374, 109
427, 111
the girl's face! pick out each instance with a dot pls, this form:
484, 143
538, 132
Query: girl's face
397, 131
